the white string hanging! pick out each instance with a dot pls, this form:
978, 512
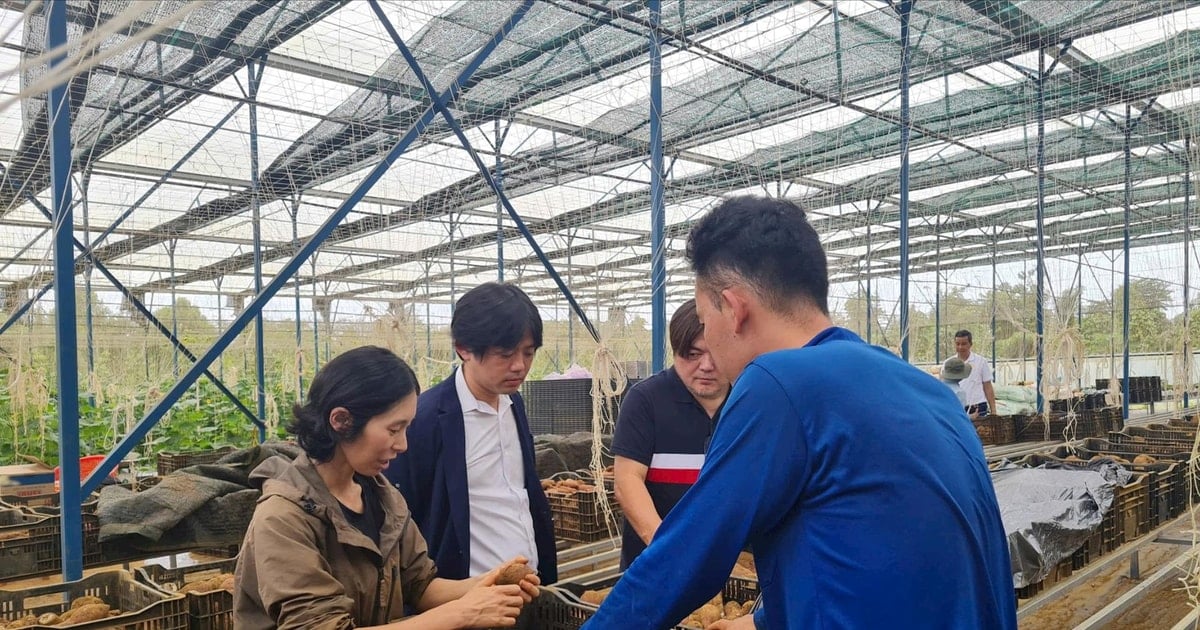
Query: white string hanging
608, 382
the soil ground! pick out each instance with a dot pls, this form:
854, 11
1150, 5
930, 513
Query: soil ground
1159, 609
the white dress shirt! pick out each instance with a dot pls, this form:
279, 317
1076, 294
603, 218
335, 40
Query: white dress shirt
972, 386
500, 520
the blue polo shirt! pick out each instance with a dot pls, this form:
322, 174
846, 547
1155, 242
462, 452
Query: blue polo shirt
662, 427
862, 489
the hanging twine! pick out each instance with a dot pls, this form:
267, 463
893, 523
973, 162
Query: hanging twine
608, 382
1063, 358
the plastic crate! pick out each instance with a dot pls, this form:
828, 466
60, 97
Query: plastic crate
1132, 510
1187, 422
46, 505
28, 544
1144, 444
1166, 478
741, 589
559, 607
1032, 428
554, 610
143, 607
208, 611
996, 430
170, 462
1060, 572
579, 517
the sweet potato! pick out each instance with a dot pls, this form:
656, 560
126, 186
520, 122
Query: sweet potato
595, 597
85, 601
84, 614
23, 622
513, 573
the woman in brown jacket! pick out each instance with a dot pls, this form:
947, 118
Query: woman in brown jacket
332, 545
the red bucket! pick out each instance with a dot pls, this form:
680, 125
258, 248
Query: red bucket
87, 464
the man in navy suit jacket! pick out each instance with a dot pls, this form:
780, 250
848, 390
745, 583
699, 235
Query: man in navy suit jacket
468, 475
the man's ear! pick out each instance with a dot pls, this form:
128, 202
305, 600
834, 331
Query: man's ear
340, 419
736, 304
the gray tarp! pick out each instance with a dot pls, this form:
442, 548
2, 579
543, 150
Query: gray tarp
1048, 514
207, 505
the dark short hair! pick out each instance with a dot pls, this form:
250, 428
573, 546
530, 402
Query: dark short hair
495, 315
964, 333
366, 381
766, 243
685, 328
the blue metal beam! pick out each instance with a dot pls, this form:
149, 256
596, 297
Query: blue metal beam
289, 269
658, 213
59, 112
442, 107
904, 8
145, 311
1125, 251
253, 81
1040, 221
24, 308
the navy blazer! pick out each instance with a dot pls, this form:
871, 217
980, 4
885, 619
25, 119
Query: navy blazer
432, 476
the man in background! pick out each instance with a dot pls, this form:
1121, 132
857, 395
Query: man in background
864, 496
468, 475
662, 432
977, 386
954, 370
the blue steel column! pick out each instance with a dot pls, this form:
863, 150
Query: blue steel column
255, 71
905, 10
293, 264
1125, 249
59, 111
1187, 265
658, 217
1040, 220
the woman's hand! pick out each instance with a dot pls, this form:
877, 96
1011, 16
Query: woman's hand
745, 622
490, 606
529, 583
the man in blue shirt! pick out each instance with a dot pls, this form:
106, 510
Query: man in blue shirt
856, 478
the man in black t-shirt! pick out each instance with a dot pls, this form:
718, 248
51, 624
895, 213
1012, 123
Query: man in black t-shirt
662, 433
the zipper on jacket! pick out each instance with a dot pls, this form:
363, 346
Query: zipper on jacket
379, 595
387, 611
